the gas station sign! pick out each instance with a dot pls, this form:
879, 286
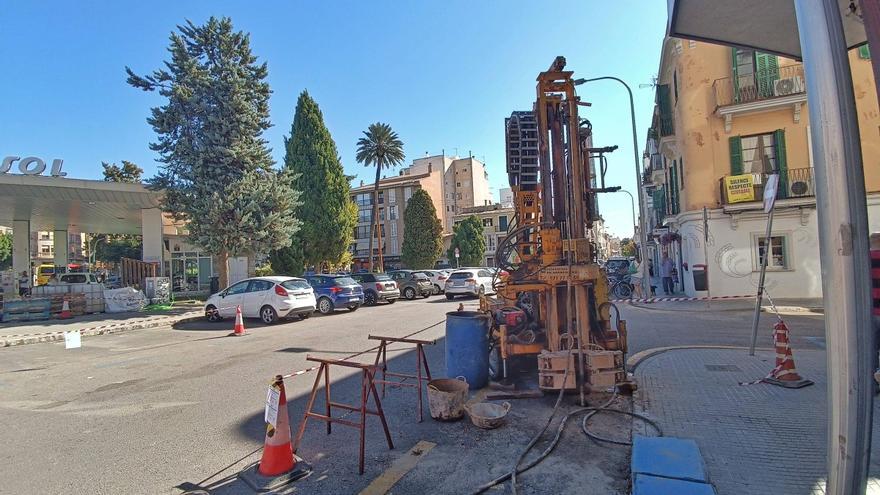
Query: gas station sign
32, 165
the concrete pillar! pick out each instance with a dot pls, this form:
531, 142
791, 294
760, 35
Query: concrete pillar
151, 230
61, 248
21, 246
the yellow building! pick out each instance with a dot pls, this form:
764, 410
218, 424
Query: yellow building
725, 119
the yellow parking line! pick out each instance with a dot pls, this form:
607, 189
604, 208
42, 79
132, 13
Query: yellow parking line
398, 469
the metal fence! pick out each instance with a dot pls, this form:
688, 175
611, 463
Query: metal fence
763, 84
793, 183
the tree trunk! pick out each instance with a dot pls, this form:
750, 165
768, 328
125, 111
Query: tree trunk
223, 269
376, 224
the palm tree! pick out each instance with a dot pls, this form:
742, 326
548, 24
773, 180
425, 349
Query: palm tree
381, 147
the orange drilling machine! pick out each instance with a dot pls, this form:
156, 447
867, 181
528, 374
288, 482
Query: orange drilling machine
552, 299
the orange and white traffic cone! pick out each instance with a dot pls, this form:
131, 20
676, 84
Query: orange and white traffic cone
65, 310
278, 466
238, 330
784, 374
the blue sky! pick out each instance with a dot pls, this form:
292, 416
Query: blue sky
443, 74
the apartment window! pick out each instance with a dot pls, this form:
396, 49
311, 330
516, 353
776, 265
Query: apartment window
382, 229
392, 212
407, 193
45, 236
363, 199
490, 243
394, 229
365, 216
779, 257
487, 222
759, 154
392, 196
753, 74
392, 247
458, 184
381, 197
362, 232
502, 222
46, 250
459, 195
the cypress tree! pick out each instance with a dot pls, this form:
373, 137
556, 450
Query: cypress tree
327, 214
422, 241
467, 236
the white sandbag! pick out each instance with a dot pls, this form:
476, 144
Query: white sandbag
124, 299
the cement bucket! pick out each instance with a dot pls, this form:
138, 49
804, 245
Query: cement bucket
446, 398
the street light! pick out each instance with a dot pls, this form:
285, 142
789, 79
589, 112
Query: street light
643, 237
633, 202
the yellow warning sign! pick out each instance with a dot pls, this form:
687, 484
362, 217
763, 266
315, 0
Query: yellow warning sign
739, 188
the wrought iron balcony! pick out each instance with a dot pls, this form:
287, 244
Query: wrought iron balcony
764, 84
793, 183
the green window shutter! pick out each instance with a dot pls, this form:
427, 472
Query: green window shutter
781, 162
865, 52
736, 155
681, 173
766, 73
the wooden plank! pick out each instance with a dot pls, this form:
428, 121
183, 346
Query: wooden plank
399, 468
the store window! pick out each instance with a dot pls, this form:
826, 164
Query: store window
779, 256
190, 271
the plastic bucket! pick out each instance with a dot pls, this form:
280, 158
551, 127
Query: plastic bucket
467, 347
446, 398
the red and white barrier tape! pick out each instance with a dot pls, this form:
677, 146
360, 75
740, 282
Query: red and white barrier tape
371, 349
678, 299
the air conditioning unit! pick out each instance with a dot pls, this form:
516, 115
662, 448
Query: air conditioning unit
788, 86
799, 188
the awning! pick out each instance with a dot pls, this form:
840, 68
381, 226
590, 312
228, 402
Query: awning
51, 203
766, 25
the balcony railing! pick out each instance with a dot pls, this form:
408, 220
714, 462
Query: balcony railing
764, 84
793, 183
666, 126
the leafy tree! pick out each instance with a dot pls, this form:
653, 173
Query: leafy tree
382, 148
467, 236
422, 232
627, 247
5, 251
216, 170
111, 248
128, 172
326, 211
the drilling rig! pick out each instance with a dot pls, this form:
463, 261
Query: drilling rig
552, 301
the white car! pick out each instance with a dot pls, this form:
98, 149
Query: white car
266, 298
469, 281
438, 279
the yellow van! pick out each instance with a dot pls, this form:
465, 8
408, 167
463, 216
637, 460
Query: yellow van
44, 273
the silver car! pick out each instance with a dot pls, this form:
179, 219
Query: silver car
377, 287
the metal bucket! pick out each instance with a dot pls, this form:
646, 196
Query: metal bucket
487, 415
446, 398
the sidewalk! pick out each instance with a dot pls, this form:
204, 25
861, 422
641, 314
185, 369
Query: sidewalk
785, 306
755, 439
34, 332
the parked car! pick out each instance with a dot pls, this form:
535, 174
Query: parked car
470, 281
377, 287
438, 279
336, 291
77, 278
412, 283
266, 298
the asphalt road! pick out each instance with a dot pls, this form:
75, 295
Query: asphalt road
148, 410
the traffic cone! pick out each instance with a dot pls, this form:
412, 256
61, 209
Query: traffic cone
238, 330
278, 465
784, 374
65, 310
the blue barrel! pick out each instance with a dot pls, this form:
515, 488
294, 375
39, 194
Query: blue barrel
467, 347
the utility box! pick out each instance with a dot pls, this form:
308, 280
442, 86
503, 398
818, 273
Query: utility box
701, 278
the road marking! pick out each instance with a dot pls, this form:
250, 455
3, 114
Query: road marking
383, 483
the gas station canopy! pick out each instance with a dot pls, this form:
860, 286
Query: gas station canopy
89, 206
766, 25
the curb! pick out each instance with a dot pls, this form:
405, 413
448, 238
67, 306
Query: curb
37, 338
638, 358
790, 310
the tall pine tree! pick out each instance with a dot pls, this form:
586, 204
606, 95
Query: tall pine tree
467, 236
217, 173
327, 212
422, 232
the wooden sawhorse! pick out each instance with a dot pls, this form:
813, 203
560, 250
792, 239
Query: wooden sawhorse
421, 361
368, 374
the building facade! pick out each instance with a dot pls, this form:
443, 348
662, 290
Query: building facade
724, 121
495, 218
452, 183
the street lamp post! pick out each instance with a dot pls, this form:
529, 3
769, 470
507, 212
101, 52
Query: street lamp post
643, 236
633, 202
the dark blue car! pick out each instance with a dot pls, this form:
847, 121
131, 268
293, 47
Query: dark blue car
336, 291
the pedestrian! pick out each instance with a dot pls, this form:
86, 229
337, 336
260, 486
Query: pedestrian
24, 284
667, 268
635, 277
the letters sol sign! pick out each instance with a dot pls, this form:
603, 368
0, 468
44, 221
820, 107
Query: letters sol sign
32, 165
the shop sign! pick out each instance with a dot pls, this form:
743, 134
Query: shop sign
739, 188
32, 165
